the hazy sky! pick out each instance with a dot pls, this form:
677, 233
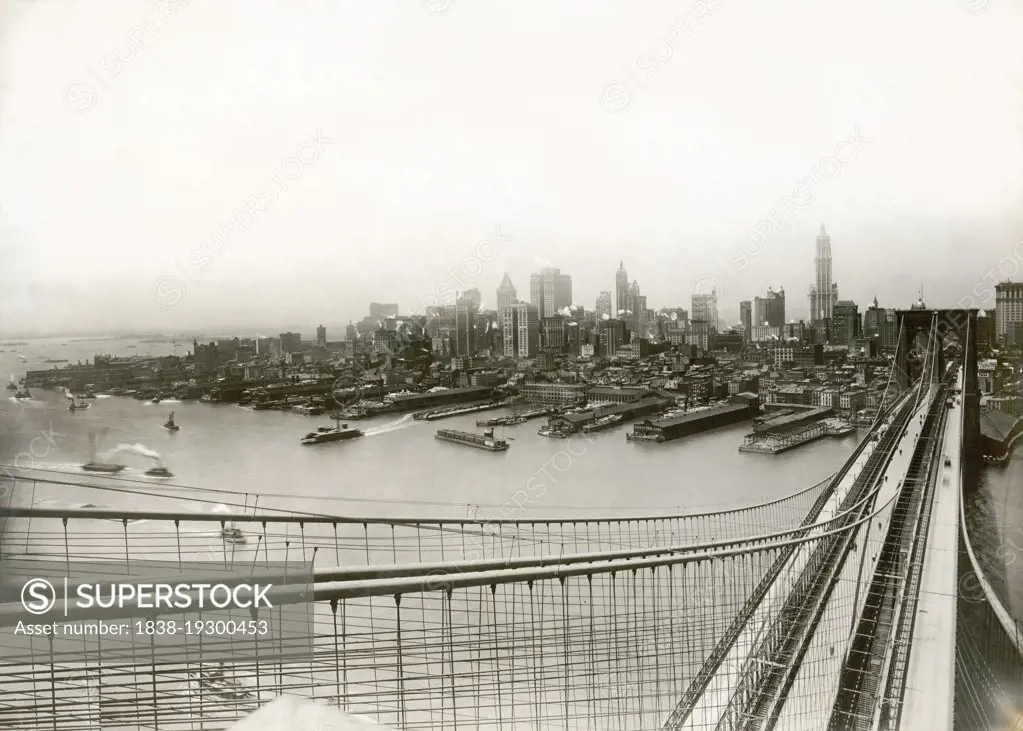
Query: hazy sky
441, 122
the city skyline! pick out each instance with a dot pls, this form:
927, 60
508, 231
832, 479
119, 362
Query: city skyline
140, 196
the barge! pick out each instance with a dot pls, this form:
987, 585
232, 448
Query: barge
485, 441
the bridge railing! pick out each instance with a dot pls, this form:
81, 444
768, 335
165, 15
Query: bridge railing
594, 640
37, 525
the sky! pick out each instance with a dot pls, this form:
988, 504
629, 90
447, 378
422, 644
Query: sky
448, 142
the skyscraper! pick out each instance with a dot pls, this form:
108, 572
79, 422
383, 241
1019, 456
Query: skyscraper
705, 309
604, 305
770, 309
824, 292
520, 328
466, 311
505, 293
746, 319
621, 290
550, 291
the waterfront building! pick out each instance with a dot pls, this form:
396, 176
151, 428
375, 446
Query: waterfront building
506, 294
621, 290
705, 308
1008, 307
521, 330
824, 293
550, 291
604, 306
553, 393
770, 310
746, 320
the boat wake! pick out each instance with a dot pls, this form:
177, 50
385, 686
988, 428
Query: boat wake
402, 423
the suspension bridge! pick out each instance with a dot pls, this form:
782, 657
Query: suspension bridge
837, 606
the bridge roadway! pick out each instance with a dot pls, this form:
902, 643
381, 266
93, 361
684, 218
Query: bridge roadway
930, 680
722, 703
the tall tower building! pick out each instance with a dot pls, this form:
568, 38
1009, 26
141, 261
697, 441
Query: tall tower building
520, 330
746, 319
506, 293
550, 291
621, 290
604, 306
824, 292
705, 309
466, 311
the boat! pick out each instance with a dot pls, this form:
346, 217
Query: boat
158, 471
22, 392
308, 410
230, 534
80, 405
485, 441
170, 425
604, 422
102, 467
11, 385
155, 400
326, 434
551, 431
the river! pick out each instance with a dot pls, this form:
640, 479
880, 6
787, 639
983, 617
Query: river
398, 469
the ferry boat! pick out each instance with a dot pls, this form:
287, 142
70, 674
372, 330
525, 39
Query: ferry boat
604, 422
170, 425
331, 434
485, 441
158, 471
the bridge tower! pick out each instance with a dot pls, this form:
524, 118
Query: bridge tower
934, 325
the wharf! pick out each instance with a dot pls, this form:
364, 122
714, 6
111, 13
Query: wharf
773, 443
740, 408
502, 420
446, 411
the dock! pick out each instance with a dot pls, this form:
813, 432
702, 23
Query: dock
771, 441
446, 411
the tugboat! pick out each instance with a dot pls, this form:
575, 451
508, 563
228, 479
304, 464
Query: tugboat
21, 392
170, 425
92, 465
156, 400
102, 467
331, 434
79, 406
158, 471
11, 386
